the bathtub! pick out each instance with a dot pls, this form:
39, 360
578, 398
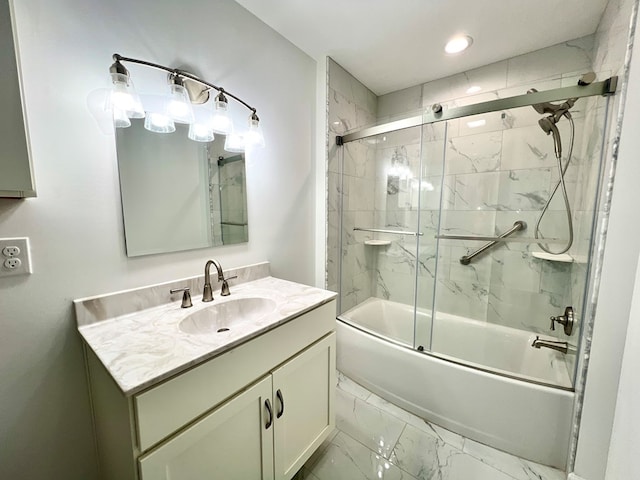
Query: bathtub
530, 420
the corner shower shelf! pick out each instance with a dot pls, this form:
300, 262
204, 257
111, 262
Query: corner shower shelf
377, 242
563, 257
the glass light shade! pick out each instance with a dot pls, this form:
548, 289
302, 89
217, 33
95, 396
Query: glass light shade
159, 123
179, 106
120, 119
220, 122
200, 132
234, 143
254, 137
124, 96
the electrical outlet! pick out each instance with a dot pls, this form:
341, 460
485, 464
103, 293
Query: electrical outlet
12, 263
14, 258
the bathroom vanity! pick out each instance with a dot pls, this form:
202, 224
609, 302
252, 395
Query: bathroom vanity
245, 397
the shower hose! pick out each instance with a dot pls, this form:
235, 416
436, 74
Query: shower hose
562, 169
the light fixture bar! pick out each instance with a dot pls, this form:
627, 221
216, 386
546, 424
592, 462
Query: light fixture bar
119, 58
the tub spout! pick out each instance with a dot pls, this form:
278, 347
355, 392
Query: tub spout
562, 347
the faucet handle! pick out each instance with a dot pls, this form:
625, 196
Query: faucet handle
224, 290
186, 296
553, 322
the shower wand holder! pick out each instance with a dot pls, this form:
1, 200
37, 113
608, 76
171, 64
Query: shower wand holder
567, 320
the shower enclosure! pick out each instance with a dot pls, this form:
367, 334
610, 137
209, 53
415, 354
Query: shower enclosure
447, 221
465, 238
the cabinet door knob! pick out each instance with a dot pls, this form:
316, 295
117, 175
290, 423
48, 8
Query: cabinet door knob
281, 400
267, 404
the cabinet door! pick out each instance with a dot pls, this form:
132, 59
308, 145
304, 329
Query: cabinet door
234, 442
303, 392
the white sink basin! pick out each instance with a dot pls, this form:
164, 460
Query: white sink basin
224, 316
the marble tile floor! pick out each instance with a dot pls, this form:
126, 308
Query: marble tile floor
375, 439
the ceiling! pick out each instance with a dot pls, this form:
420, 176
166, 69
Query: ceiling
393, 44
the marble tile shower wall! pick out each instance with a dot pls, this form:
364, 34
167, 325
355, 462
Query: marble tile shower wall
350, 105
495, 174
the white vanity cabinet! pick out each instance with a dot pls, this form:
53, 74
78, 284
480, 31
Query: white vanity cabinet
268, 431
257, 411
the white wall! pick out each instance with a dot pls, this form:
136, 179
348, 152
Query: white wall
625, 438
75, 223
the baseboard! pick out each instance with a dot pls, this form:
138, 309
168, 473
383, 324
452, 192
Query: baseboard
573, 476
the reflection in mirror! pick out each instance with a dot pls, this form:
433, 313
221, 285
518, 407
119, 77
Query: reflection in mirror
178, 194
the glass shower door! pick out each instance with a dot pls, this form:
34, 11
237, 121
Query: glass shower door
381, 195
500, 170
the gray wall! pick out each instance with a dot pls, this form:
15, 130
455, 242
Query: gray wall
75, 223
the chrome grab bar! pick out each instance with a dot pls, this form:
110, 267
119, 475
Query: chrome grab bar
393, 232
518, 225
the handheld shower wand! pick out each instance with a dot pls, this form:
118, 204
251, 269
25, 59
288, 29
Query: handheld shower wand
548, 125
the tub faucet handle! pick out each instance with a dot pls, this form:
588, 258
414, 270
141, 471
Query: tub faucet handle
567, 321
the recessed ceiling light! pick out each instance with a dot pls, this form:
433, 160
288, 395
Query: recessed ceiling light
458, 44
474, 89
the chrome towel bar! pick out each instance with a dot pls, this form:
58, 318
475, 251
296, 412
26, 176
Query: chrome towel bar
393, 232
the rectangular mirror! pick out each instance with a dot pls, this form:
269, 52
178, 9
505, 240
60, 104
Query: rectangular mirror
178, 194
16, 176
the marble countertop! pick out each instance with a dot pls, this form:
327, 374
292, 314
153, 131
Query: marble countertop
142, 348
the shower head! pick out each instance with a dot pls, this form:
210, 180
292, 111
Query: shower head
548, 125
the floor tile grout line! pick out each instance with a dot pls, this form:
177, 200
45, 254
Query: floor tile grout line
395, 464
398, 439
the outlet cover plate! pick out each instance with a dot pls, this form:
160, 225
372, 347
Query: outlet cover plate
25, 257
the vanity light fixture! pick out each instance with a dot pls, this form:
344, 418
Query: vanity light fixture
458, 44
234, 143
159, 123
254, 136
221, 122
185, 90
179, 105
120, 118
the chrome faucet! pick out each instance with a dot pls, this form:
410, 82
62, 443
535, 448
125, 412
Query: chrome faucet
207, 294
562, 347
567, 320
